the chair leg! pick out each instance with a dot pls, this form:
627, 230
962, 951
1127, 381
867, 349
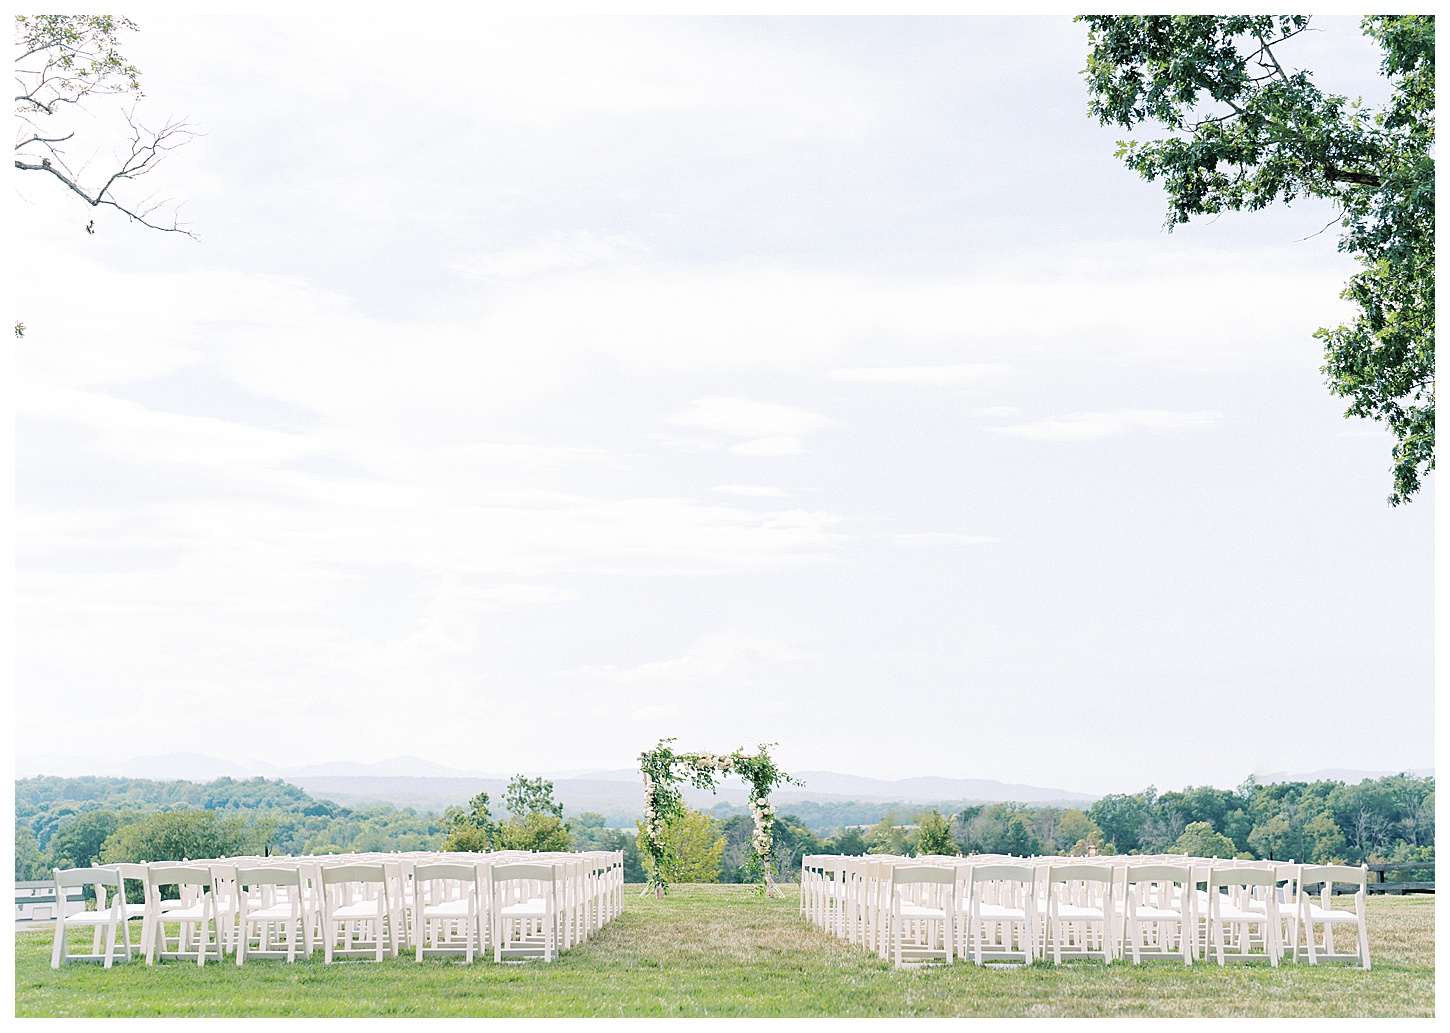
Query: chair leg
58, 949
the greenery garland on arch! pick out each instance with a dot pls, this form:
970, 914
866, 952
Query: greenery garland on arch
664, 770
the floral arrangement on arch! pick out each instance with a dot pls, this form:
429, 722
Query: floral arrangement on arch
664, 770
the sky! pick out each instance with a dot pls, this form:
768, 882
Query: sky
542, 391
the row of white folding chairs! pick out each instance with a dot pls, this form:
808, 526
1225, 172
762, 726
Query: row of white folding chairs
525, 904
1151, 907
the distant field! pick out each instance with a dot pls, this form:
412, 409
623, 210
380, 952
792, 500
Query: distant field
720, 950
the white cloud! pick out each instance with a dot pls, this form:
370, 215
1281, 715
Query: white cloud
751, 490
1089, 426
716, 659
552, 253
927, 539
776, 445
740, 417
962, 373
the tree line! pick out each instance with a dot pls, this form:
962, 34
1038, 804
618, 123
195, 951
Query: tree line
68, 823
1389, 819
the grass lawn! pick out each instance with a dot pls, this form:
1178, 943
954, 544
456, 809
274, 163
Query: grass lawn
720, 950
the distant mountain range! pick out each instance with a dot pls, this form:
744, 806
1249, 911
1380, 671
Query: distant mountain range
429, 786
1340, 775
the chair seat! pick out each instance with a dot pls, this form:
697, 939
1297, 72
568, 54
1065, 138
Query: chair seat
275, 913
917, 911
448, 909
532, 909
1228, 913
998, 913
195, 913
1318, 914
362, 909
89, 918
1157, 914
1073, 913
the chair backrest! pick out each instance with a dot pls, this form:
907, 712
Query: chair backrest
333, 875
1004, 873
1159, 873
1080, 873
86, 877
467, 873
1327, 874
178, 875
1221, 877
534, 872
269, 876
907, 875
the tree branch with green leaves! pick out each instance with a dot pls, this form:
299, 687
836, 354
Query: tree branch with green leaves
1244, 131
63, 61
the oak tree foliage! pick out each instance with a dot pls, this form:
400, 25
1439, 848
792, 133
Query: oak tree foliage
1244, 130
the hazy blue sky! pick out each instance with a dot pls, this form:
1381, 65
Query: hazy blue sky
544, 388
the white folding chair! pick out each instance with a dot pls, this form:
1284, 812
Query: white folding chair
923, 912
526, 911
1159, 906
356, 910
1080, 898
445, 903
108, 915
1001, 899
197, 927
1230, 891
1326, 915
270, 899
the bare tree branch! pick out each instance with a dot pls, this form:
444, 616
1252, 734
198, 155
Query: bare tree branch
78, 58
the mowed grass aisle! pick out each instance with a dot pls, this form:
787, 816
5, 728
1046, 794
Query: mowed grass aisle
720, 950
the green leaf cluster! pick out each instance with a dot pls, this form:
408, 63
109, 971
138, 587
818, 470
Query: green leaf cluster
79, 54
535, 822
1245, 132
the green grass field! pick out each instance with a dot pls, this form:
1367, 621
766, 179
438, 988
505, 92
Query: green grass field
720, 950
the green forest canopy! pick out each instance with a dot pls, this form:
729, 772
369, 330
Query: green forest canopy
70, 821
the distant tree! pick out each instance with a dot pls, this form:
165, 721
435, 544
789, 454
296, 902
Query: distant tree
1080, 834
178, 836
697, 846
1199, 840
539, 832
1326, 839
1121, 818
934, 835
1245, 132
791, 839
536, 819
848, 841
587, 832
470, 831
888, 836
1019, 839
77, 844
526, 796
29, 861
